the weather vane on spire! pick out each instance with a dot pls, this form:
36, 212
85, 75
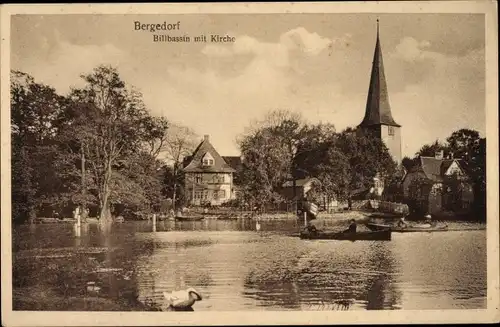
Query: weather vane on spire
377, 25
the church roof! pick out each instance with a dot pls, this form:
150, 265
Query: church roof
196, 165
378, 109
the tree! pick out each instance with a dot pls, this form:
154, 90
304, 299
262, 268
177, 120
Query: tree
155, 135
464, 144
110, 130
367, 157
430, 150
37, 177
319, 157
263, 169
180, 142
269, 149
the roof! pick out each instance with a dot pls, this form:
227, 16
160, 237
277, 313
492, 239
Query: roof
195, 164
434, 169
233, 161
300, 182
378, 109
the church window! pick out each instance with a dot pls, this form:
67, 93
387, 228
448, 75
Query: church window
391, 131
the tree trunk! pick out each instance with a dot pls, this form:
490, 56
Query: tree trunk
174, 195
105, 210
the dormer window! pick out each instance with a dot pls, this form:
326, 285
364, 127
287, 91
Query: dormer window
208, 160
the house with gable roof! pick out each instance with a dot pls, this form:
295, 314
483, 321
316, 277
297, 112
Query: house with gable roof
209, 179
436, 185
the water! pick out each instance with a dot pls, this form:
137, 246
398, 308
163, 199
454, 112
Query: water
238, 268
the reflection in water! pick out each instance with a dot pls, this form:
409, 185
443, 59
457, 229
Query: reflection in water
382, 292
237, 268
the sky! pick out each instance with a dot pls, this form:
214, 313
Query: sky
315, 64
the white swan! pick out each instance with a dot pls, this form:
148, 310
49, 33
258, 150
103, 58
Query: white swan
182, 299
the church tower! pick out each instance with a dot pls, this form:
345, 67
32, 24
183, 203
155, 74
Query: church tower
378, 118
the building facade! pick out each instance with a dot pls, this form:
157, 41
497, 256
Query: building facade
378, 119
438, 186
209, 179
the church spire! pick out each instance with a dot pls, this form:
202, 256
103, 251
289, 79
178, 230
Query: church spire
378, 109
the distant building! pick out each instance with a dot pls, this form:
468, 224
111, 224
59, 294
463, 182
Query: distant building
306, 189
302, 188
436, 185
378, 119
209, 179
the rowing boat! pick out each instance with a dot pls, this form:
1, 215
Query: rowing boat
384, 235
409, 229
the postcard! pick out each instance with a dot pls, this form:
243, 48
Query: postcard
249, 163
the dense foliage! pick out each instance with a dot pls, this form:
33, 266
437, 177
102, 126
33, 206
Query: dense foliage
97, 147
284, 148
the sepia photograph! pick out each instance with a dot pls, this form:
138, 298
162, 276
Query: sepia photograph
279, 162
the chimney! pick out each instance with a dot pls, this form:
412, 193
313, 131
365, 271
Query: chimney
205, 137
439, 155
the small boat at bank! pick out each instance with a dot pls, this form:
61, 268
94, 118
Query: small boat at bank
409, 229
189, 218
383, 235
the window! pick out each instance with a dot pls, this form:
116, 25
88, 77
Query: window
222, 194
207, 160
218, 178
198, 179
391, 131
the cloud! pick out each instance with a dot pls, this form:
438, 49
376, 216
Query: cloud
295, 39
65, 62
410, 49
309, 43
448, 97
222, 89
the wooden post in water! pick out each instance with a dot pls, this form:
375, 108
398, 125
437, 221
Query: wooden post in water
78, 225
154, 222
84, 187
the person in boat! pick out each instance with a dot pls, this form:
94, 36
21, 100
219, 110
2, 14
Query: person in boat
402, 223
352, 227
